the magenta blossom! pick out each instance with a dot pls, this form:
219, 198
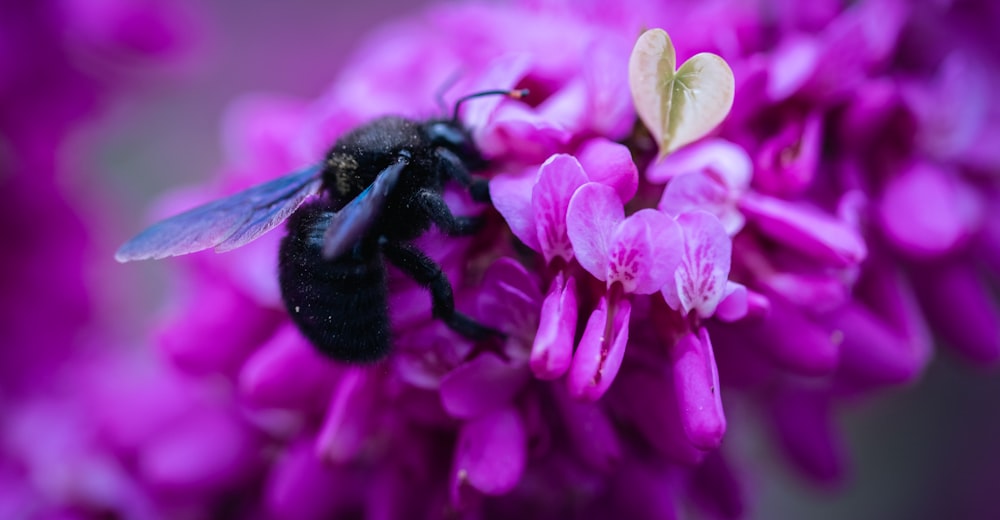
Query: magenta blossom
634, 255
541, 223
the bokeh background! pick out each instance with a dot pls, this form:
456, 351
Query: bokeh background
925, 451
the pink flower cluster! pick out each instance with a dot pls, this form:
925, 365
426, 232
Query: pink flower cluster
805, 254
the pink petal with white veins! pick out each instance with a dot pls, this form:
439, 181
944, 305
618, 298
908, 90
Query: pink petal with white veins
645, 251
558, 179
700, 280
594, 212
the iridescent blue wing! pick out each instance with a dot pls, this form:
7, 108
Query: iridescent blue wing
348, 225
225, 223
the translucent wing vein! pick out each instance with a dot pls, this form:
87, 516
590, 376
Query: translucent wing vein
226, 223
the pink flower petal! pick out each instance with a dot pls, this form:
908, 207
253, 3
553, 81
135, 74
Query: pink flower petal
508, 300
608, 102
644, 253
553, 346
698, 191
786, 163
793, 340
696, 381
507, 272
591, 431
558, 178
710, 176
735, 303
792, 64
518, 131
594, 212
927, 211
208, 449
803, 421
503, 72
490, 455
961, 307
820, 291
566, 107
723, 161
608, 162
953, 108
873, 353
700, 280
213, 316
657, 420
511, 196
300, 485
287, 371
806, 229
599, 355
482, 385
717, 487
347, 426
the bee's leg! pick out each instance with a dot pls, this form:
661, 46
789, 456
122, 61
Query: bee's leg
453, 167
427, 273
440, 214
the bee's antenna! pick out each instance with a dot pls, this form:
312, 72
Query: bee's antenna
513, 93
445, 87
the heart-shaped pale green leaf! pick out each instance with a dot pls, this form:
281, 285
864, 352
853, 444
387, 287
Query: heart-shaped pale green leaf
678, 106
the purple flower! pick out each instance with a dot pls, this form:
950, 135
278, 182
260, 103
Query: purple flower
542, 223
634, 255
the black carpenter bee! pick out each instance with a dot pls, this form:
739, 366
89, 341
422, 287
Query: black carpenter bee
378, 189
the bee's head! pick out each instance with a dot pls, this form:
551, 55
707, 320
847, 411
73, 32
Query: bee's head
451, 134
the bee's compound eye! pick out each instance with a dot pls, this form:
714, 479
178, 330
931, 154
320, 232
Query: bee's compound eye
447, 134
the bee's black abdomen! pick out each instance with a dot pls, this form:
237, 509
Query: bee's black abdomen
339, 305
